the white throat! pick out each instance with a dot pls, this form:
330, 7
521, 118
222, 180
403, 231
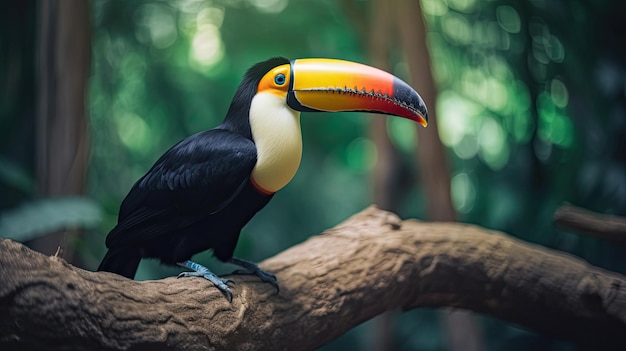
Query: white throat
278, 138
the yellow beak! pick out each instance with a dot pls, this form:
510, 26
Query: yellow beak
334, 85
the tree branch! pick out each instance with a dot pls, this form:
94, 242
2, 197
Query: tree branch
369, 264
611, 228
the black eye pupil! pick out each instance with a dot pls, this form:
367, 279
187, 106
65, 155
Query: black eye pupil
279, 79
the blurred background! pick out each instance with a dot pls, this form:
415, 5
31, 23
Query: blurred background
529, 99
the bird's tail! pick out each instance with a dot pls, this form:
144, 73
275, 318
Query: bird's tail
121, 261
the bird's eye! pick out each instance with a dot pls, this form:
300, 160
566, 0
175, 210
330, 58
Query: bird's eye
279, 79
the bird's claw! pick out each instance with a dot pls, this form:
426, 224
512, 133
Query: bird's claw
209, 276
264, 276
201, 271
252, 268
220, 283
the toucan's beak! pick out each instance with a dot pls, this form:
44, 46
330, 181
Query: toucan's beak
336, 85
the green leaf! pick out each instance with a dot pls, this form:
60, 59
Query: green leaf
37, 218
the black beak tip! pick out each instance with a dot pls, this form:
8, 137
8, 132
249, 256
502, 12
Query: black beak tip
421, 109
403, 92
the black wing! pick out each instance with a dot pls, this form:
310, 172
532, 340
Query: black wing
197, 177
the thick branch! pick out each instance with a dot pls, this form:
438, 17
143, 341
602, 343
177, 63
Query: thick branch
369, 264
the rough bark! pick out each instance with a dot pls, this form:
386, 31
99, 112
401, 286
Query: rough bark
372, 263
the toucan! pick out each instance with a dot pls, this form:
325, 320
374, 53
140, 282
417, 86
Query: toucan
203, 190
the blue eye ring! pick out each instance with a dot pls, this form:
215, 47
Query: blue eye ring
280, 79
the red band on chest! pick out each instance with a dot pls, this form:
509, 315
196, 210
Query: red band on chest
259, 188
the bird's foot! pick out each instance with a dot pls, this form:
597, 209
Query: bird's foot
201, 271
253, 269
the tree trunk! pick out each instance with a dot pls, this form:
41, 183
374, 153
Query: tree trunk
64, 50
463, 330
385, 172
372, 263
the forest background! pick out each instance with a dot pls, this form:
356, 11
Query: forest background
530, 107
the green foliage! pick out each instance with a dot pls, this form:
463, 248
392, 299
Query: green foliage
519, 103
40, 217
